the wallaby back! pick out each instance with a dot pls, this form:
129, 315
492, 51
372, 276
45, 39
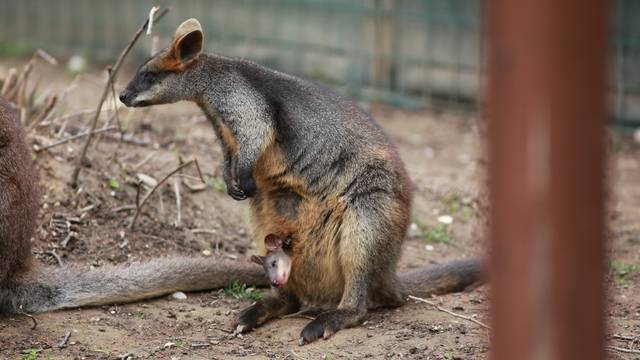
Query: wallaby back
25, 288
18, 196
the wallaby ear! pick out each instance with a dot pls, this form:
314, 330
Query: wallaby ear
273, 243
257, 259
188, 40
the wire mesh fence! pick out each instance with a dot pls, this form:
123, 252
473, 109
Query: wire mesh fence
404, 52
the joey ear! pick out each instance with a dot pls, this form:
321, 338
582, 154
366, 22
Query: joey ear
188, 40
257, 259
273, 243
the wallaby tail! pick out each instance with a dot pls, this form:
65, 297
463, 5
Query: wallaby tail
443, 279
46, 289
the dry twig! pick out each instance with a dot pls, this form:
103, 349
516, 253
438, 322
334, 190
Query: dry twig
9, 82
70, 235
622, 350
74, 137
140, 203
46, 57
65, 340
176, 189
112, 76
56, 256
440, 308
33, 319
73, 115
46, 110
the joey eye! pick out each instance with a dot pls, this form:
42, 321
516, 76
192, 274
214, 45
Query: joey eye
274, 264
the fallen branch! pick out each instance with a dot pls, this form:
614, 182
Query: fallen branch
74, 137
33, 318
176, 189
625, 338
67, 239
9, 82
46, 57
76, 114
65, 340
115, 112
140, 203
56, 256
46, 110
440, 308
144, 161
622, 350
15, 94
105, 92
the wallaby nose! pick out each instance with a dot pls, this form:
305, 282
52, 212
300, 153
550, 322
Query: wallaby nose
123, 96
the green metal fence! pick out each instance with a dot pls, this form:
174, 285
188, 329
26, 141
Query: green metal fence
625, 78
405, 52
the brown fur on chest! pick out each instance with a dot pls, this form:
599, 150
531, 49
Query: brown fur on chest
285, 207
315, 231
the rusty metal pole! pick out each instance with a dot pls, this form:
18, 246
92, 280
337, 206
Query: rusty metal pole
547, 112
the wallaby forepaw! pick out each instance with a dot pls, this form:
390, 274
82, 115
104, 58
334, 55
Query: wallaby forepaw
247, 185
246, 320
236, 192
325, 325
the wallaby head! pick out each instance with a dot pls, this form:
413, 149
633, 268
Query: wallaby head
164, 78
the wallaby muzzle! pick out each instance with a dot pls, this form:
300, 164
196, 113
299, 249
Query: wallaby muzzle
125, 97
130, 99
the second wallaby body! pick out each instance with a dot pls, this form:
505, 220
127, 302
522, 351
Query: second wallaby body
28, 287
314, 165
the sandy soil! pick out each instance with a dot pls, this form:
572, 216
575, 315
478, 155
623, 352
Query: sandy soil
444, 156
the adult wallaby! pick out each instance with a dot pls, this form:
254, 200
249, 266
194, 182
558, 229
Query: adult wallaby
26, 287
317, 168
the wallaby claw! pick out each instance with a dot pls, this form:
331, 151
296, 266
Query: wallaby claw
236, 192
246, 320
323, 326
239, 330
247, 185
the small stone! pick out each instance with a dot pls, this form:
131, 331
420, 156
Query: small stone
429, 153
179, 295
206, 252
429, 248
445, 219
414, 230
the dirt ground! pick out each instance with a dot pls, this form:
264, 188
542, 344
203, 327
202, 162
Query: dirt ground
443, 154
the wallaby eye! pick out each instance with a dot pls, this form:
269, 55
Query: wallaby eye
274, 263
148, 78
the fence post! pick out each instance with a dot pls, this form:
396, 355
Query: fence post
547, 113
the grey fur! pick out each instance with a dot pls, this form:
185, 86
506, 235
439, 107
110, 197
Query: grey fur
337, 162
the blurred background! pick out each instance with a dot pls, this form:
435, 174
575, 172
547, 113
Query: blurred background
408, 53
